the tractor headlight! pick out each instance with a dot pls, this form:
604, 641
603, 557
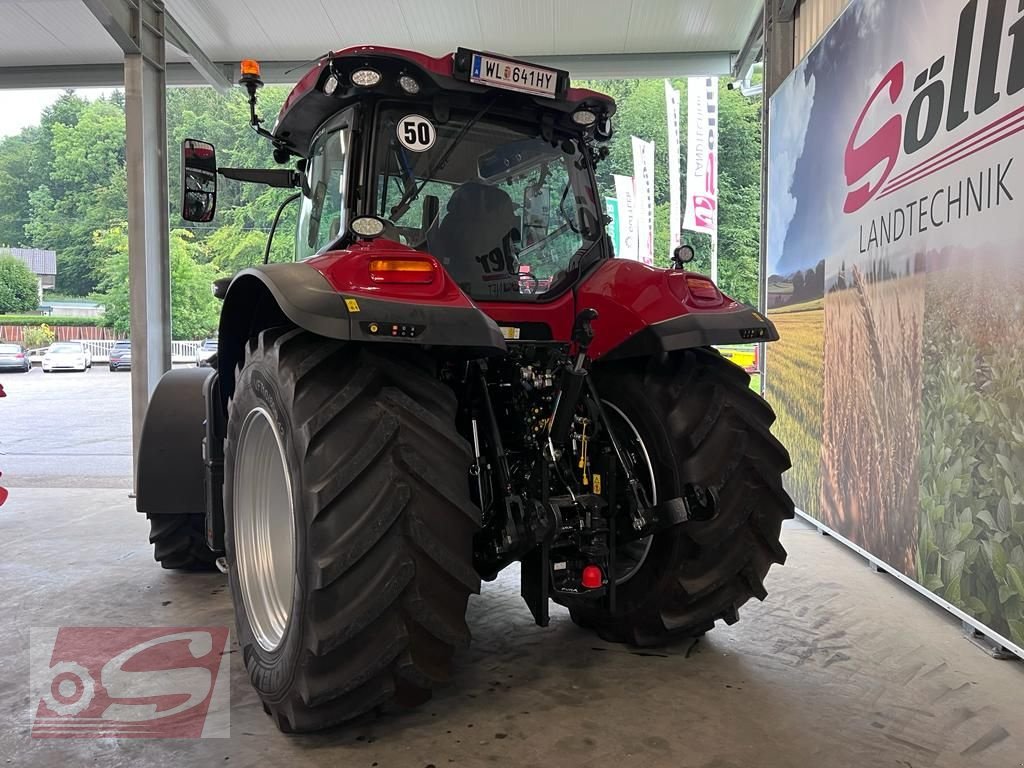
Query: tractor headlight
409, 84
368, 226
584, 117
366, 78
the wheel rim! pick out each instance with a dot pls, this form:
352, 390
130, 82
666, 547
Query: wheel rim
264, 528
629, 558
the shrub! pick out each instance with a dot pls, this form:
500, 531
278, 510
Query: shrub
39, 336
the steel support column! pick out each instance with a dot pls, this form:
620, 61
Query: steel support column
138, 27
779, 50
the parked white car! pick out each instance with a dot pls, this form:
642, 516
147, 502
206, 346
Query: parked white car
67, 356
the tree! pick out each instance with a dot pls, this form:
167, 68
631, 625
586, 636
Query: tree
19, 288
194, 310
641, 112
85, 189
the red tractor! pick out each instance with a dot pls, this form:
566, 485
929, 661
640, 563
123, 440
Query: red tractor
454, 375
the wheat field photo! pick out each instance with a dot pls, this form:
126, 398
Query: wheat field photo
794, 388
871, 418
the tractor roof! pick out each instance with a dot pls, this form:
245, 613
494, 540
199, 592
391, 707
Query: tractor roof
308, 105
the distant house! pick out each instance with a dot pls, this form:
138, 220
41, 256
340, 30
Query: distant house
72, 308
42, 263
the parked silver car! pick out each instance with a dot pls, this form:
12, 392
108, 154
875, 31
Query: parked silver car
14, 357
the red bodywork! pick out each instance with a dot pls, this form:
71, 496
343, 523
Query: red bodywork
627, 295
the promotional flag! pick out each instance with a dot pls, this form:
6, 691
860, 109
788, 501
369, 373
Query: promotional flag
675, 202
611, 207
702, 161
627, 242
643, 204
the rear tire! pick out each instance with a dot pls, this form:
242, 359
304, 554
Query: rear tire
179, 542
702, 425
382, 524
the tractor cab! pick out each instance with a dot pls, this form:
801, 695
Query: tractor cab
483, 163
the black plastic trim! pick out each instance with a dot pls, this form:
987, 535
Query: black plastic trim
304, 295
701, 329
437, 325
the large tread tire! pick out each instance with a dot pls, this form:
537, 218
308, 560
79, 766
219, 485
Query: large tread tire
179, 542
384, 527
703, 425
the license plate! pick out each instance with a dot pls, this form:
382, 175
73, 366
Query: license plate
513, 76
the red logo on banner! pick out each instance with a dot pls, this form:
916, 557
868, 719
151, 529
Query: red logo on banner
131, 682
947, 92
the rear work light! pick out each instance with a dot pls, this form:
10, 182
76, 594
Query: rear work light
703, 289
416, 271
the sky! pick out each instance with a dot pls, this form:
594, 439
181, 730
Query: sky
22, 107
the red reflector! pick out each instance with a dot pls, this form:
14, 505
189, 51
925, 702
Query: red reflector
402, 271
592, 577
702, 289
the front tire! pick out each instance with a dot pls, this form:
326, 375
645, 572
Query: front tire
367, 595
702, 426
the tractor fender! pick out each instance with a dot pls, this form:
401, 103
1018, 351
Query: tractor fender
171, 474
310, 295
645, 311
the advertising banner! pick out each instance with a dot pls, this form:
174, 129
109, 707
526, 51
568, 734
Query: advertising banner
643, 202
895, 228
627, 244
675, 202
702, 156
611, 207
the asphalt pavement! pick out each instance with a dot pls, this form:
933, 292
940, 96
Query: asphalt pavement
66, 429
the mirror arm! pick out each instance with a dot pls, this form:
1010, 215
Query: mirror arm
272, 177
273, 227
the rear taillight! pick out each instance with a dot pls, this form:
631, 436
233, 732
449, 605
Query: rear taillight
416, 271
703, 289
19, 356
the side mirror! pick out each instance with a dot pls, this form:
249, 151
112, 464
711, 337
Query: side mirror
684, 254
198, 180
536, 214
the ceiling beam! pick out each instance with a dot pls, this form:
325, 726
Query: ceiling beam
116, 16
786, 10
134, 25
751, 50
211, 72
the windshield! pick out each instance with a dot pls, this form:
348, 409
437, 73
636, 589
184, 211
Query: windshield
322, 217
66, 348
8, 349
504, 211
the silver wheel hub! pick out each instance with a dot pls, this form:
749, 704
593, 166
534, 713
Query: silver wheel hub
264, 528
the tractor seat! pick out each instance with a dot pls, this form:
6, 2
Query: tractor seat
475, 240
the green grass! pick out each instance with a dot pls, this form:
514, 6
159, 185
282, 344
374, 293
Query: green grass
806, 306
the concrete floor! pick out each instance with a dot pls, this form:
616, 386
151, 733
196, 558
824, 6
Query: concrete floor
839, 667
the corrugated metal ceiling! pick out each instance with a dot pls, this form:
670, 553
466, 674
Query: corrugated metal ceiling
48, 32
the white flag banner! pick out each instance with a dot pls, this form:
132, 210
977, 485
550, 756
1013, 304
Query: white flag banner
702, 156
643, 204
627, 247
675, 201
